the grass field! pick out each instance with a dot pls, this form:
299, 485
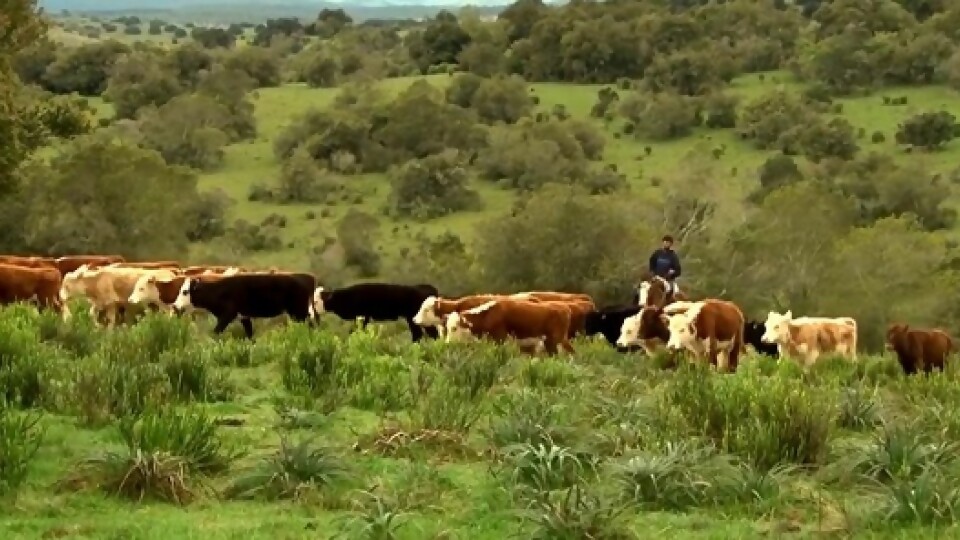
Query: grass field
469, 441
248, 163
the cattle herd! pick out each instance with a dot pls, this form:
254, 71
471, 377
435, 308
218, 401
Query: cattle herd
711, 329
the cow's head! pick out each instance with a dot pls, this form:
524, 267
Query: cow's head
145, 290
894, 330
683, 331
630, 331
458, 328
320, 297
427, 315
777, 327
184, 300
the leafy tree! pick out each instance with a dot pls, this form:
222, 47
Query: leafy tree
260, 64
431, 187
274, 28
139, 79
329, 23
689, 73
720, 110
929, 130
875, 16
357, 233
132, 30
320, 70
31, 63
521, 16
302, 181
777, 171
100, 196
188, 62
892, 270
84, 69
821, 139
911, 58
229, 88
212, 38
845, 62
440, 42
660, 116
64, 116
768, 117
208, 216
497, 99
187, 130
582, 244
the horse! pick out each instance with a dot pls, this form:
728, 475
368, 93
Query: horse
652, 291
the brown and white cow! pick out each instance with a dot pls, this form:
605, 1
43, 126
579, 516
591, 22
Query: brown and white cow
148, 265
514, 318
711, 329
108, 288
22, 283
808, 338
919, 349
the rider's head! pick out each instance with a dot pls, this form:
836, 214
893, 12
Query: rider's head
667, 241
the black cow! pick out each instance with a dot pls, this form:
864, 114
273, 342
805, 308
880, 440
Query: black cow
248, 296
608, 321
752, 332
377, 302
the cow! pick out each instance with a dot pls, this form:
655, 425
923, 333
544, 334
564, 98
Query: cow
710, 328
21, 283
191, 271
516, 318
753, 338
108, 287
652, 291
648, 329
164, 290
918, 349
608, 321
809, 337
434, 309
72, 262
248, 296
377, 302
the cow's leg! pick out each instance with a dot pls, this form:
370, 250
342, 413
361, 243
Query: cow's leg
416, 331
550, 345
713, 353
247, 325
567, 346
224, 321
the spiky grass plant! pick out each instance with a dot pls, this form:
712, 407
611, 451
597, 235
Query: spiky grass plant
297, 468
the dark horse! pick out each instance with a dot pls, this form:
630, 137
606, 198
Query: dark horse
652, 291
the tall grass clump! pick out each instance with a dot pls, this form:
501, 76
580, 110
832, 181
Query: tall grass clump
858, 409
165, 453
475, 367
194, 376
576, 512
440, 404
309, 364
116, 381
532, 416
78, 336
766, 420
293, 471
25, 362
20, 439
158, 333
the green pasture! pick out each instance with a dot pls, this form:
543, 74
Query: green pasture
252, 162
160, 430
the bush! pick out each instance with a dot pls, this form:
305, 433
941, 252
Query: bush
20, 439
929, 130
432, 187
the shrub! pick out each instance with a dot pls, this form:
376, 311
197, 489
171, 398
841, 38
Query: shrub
20, 439
294, 470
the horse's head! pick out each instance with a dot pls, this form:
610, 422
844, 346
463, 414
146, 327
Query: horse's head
652, 291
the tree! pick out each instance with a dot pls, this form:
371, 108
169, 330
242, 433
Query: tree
212, 38
768, 117
662, 116
320, 70
688, 73
929, 130
99, 196
582, 244
440, 42
891, 270
260, 64
821, 139
84, 69
139, 79
189, 62
357, 232
32, 62
431, 187
521, 16
187, 130
302, 181
229, 88
329, 23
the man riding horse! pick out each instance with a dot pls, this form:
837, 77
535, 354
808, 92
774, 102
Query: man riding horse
659, 287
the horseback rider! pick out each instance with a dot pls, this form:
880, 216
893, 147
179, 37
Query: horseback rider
665, 263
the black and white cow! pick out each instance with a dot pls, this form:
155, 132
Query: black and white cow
377, 302
752, 333
249, 296
607, 321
